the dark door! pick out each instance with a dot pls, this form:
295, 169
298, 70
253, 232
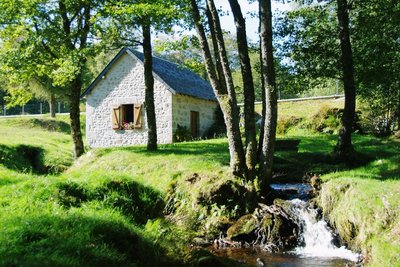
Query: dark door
194, 123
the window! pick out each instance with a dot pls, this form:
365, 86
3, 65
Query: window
127, 117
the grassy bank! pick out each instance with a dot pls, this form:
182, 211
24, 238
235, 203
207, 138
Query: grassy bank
363, 205
110, 207
106, 209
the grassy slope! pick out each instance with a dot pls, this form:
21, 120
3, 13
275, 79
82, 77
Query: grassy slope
96, 212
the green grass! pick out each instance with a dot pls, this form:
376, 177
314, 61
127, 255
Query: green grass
41, 140
107, 207
308, 108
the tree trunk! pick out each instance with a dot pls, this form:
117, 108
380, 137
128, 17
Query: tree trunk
149, 84
74, 114
52, 105
218, 64
344, 147
398, 112
227, 103
248, 88
271, 106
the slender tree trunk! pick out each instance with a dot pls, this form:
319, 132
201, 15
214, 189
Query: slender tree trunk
344, 147
227, 103
398, 112
74, 114
271, 106
149, 84
248, 88
52, 105
218, 64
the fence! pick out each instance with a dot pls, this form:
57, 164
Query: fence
33, 109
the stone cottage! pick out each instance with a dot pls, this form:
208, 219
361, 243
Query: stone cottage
115, 102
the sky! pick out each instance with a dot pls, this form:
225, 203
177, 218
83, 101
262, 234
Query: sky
227, 21
251, 23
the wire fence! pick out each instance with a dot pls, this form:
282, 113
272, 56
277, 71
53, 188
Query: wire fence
32, 109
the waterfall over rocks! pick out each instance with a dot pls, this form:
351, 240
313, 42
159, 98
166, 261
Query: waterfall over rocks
317, 238
289, 232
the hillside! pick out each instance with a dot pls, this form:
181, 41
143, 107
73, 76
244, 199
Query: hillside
108, 207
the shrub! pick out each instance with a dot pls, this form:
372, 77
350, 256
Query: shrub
285, 123
326, 120
218, 128
376, 119
182, 133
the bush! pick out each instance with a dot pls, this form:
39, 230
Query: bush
218, 128
376, 120
327, 120
182, 133
284, 124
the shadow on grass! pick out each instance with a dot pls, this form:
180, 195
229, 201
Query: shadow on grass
22, 158
78, 240
133, 199
217, 151
51, 125
316, 157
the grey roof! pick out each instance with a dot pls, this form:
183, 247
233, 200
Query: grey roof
178, 78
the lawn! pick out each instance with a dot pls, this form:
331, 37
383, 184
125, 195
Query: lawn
107, 207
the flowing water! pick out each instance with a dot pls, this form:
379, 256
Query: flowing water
317, 247
318, 238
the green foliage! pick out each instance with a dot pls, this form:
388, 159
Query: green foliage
327, 120
308, 40
184, 51
207, 204
218, 128
377, 118
376, 45
182, 133
285, 123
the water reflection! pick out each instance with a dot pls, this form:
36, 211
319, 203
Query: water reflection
249, 256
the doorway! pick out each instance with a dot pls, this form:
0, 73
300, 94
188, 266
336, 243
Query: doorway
194, 123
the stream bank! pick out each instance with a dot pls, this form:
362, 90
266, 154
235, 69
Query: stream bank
289, 232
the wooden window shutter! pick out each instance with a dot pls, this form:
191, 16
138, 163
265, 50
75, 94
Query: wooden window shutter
116, 118
137, 116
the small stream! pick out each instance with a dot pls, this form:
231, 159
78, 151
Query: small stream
318, 245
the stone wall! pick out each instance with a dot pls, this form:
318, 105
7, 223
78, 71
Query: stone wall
182, 105
124, 84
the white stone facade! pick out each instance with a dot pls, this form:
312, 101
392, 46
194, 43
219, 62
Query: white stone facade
183, 105
124, 84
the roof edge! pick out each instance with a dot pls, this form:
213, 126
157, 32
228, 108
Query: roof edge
104, 72
169, 88
109, 66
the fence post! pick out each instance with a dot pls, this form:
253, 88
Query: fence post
23, 110
41, 108
59, 107
5, 111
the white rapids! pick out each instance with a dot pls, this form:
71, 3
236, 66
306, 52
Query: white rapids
317, 236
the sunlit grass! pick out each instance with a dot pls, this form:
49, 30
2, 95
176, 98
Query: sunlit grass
91, 214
